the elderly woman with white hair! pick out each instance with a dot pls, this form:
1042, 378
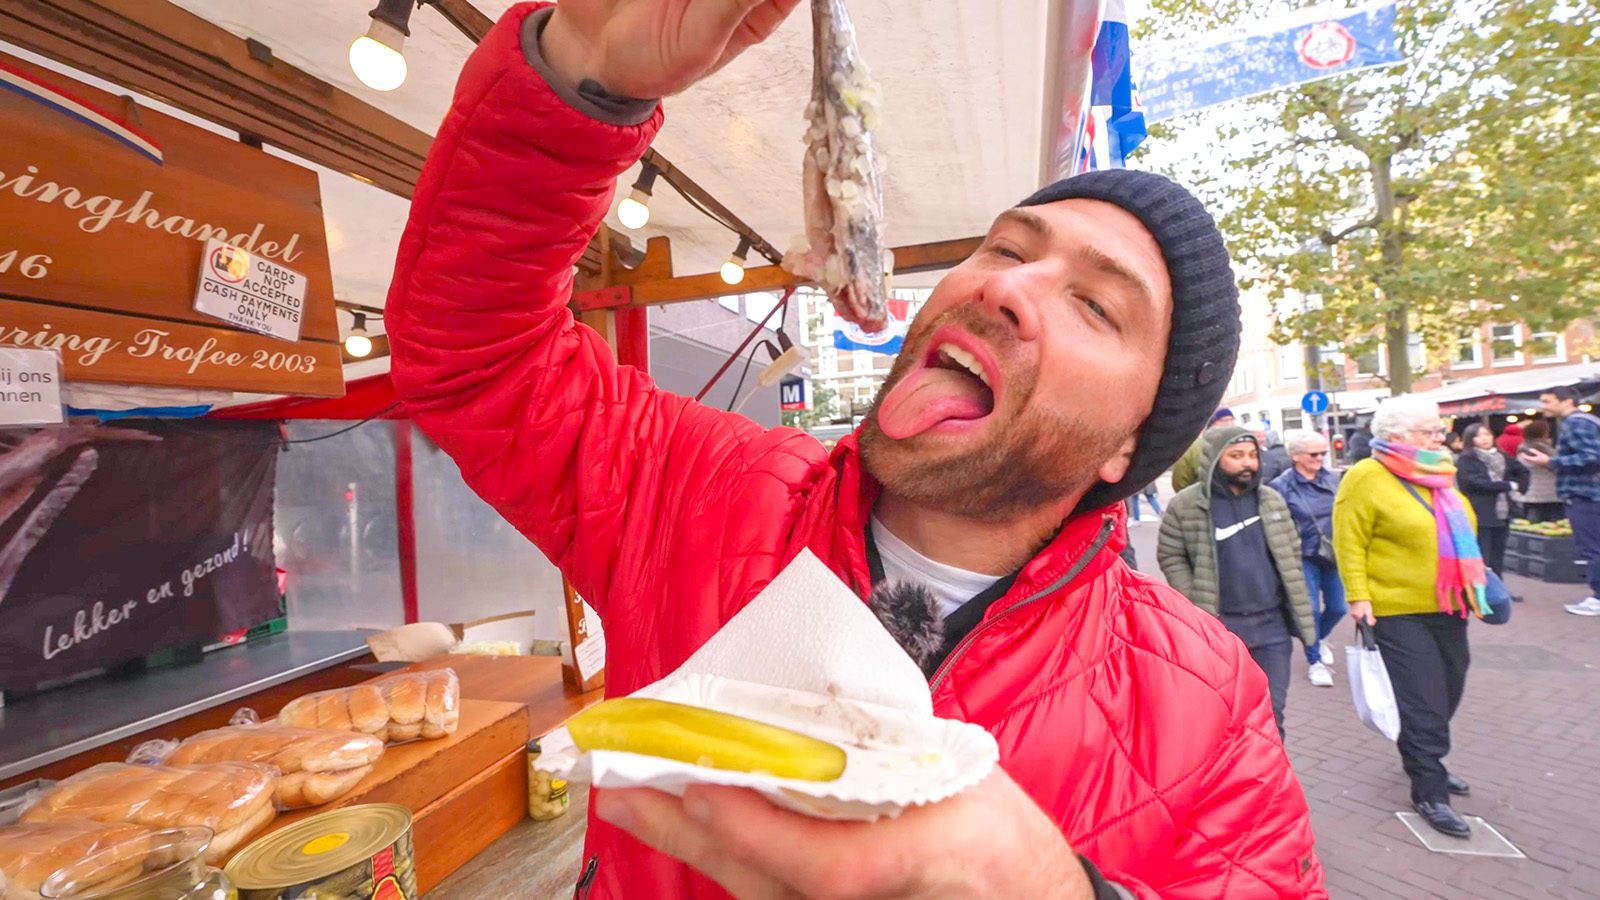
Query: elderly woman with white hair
1408, 553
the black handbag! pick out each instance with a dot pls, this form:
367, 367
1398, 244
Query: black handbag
1325, 547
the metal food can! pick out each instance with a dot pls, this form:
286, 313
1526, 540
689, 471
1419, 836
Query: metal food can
356, 852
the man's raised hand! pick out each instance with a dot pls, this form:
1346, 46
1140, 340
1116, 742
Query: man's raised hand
652, 48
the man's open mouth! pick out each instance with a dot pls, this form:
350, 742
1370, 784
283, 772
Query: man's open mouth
955, 383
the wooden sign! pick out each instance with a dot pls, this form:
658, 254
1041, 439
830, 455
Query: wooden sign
105, 212
587, 669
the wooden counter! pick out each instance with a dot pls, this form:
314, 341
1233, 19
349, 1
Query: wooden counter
468, 789
464, 791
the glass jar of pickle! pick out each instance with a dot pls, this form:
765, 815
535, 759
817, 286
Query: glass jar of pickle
547, 794
171, 867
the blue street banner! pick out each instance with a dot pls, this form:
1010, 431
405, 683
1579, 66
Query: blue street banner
1180, 77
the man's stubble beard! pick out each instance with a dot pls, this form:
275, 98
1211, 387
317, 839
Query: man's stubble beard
1034, 460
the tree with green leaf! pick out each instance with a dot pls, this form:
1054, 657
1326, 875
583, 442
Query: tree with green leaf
1458, 188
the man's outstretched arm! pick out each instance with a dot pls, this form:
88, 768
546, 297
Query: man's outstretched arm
572, 449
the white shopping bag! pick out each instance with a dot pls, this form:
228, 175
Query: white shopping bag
1369, 685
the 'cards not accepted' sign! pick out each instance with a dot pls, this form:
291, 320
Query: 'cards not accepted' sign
250, 291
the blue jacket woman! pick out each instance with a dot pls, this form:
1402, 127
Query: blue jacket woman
1309, 488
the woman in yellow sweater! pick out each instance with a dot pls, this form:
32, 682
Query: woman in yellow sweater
1412, 570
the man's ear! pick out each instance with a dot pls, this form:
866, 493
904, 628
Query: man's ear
1112, 470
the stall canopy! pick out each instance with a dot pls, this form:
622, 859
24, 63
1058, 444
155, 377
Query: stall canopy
963, 135
1512, 392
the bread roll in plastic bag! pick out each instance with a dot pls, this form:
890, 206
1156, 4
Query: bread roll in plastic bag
234, 800
317, 764
32, 852
398, 708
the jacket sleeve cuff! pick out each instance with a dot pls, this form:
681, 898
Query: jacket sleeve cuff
1103, 889
587, 97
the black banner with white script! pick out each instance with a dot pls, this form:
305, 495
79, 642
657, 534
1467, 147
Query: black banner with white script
117, 541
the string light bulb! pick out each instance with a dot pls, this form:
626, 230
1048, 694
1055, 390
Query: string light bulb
634, 210
357, 343
376, 56
1512, 420
733, 269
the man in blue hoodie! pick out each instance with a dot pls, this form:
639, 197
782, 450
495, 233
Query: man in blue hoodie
1309, 486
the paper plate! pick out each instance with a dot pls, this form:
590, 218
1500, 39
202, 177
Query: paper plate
893, 759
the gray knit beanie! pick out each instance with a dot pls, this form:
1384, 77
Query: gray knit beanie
1204, 343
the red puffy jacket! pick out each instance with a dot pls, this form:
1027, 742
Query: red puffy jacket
1132, 719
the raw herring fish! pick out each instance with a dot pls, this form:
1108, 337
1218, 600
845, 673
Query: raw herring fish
844, 255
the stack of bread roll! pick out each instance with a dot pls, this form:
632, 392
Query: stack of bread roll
234, 800
317, 765
397, 708
31, 853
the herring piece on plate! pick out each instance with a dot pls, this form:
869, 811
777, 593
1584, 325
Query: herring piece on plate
704, 737
844, 251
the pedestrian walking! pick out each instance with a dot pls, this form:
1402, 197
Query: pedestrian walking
1309, 488
1274, 458
1540, 501
1577, 467
1509, 441
1229, 544
1186, 470
1150, 496
1360, 444
1409, 559
1487, 477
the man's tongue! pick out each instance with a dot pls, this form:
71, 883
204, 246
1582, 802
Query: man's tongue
929, 396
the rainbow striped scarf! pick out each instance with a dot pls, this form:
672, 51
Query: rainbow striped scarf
1462, 577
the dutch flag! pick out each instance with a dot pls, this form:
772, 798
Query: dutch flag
1114, 123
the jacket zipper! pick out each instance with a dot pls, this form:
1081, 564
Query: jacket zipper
1078, 565
585, 884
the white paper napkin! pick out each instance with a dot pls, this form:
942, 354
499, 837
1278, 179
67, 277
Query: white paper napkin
807, 654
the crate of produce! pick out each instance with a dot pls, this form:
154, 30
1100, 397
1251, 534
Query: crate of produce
1559, 571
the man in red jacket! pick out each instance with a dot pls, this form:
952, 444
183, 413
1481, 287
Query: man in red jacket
1064, 365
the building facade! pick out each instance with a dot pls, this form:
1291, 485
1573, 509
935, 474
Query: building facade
846, 380
1270, 379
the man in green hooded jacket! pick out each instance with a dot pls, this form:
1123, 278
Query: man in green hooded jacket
1229, 544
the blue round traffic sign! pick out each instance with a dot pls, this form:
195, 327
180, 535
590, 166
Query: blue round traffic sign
1314, 402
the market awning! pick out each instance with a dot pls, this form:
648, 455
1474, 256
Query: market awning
1512, 391
962, 135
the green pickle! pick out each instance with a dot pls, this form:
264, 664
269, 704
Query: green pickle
704, 737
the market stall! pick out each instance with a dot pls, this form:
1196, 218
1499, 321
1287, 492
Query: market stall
161, 572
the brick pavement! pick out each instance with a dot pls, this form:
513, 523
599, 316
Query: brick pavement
1527, 737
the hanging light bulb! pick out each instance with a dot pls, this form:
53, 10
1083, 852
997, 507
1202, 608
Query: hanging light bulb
356, 343
634, 210
375, 56
733, 269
